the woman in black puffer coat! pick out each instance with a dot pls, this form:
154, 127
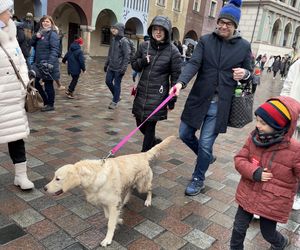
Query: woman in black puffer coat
46, 64
159, 62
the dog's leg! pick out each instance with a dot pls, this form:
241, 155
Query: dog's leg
111, 226
105, 212
148, 201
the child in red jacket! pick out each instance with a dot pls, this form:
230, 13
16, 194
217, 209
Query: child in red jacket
269, 164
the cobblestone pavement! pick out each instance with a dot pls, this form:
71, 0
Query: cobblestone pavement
85, 128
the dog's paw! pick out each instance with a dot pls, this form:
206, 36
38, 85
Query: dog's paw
105, 242
147, 203
120, 221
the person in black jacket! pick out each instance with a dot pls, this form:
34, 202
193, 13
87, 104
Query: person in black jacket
76, 64
159, 62
220, 60
116, 62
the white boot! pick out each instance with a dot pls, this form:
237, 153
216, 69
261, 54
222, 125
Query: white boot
21, 178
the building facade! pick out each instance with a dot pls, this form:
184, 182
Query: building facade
272, 26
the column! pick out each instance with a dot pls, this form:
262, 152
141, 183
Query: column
86, 36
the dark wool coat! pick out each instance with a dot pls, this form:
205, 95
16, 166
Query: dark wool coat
75, 59
212, 61
158, 76
47, 50
271, 199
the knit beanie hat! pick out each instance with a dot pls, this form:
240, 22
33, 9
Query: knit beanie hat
232, 12
274, 113
5, 5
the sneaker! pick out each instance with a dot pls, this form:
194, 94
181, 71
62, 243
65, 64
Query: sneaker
256, 217
70, 95
47, 108
112, 105
285, 244
61, 87
296, 204
194, 187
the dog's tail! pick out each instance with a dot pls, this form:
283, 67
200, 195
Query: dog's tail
155, 151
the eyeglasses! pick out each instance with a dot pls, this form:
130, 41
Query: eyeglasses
227, 24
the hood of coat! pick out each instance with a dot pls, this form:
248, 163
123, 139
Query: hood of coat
74, 46
120, 27
163, 22
8, 33
294, 108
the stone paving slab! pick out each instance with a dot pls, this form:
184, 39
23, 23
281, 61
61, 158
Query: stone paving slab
84, 128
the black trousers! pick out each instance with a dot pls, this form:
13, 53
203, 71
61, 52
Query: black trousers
148, 130
73, 83
16, 151
267, 228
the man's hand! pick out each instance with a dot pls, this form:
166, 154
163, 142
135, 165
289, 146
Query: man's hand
238, 73
178, 87
266, 176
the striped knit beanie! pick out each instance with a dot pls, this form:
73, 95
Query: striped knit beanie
5, 5
274, 113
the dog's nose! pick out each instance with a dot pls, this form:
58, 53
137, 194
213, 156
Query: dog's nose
45, 188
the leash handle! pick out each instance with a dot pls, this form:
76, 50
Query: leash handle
127, 137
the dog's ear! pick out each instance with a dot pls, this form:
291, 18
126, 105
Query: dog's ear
85, 171
71, 180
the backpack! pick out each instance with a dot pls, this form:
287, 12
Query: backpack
131, 45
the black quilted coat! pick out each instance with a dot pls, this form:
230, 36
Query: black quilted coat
158, 76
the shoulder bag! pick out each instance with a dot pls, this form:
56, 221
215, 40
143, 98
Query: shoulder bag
33, 100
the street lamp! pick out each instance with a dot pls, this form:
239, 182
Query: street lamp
258, 8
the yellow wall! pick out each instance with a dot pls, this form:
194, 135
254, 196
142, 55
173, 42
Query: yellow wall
177, 18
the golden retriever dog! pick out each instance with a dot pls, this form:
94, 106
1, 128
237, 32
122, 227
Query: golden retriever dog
108, 183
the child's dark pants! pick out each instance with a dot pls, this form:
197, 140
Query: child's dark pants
267, 228
73, 83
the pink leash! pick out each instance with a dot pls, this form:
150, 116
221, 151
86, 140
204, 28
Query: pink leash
127, 137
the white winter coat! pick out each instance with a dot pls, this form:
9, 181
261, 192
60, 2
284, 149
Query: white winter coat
291, 87
13, 118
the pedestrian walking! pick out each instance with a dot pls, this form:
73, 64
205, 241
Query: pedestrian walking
207, 108
269, 64
263, 62
291, 87
160, 63
76, 64
13, 119
276, 66
283, 68
269, 165
116, 62
46, 64
255, 80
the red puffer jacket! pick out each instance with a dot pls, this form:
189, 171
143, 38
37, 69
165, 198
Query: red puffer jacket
272, 199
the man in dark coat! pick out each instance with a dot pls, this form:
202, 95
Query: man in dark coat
220, 60
116, 62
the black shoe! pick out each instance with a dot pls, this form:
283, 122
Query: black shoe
157, 140
285, 244
47, 108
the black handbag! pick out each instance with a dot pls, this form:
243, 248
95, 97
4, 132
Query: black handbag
241, 112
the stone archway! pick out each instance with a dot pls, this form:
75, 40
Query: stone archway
287, 34
192, 35
275, 36
296, 39
101, 37
68, 17
175, 34
134, 30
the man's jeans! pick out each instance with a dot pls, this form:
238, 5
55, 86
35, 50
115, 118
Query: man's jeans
203, 146
113, 82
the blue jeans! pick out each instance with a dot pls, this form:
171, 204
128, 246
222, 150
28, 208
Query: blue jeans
113, 81
49, 94
203, 146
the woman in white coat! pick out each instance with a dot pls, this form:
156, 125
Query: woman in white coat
291, 87
13, 120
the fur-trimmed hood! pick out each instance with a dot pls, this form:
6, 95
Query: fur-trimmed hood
8, 33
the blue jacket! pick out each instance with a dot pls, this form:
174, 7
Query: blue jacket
75, 59
213, 60
46, 51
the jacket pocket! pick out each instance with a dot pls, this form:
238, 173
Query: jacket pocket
277, 191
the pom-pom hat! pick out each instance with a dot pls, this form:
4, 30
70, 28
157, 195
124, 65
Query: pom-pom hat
5, 5
79, 41
232, 12
274, 113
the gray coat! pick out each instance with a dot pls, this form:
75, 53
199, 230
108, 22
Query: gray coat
212, 61
119, 52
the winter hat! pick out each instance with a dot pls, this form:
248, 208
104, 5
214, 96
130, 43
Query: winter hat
257, 72
5, 5
232, 12
274, 113
79, 41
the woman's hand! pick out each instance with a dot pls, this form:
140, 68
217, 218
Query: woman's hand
176, 89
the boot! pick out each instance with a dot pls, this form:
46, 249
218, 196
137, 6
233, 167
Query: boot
21, 178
